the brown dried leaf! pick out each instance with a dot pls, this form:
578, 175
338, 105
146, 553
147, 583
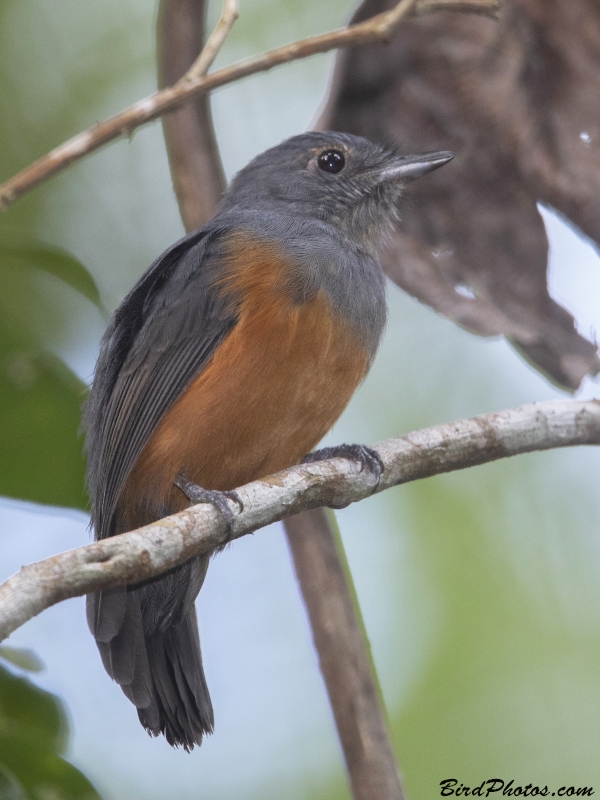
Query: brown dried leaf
511, 98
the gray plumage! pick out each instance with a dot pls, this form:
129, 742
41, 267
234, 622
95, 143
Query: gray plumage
162, 336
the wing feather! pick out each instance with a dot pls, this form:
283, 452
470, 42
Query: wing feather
158, 340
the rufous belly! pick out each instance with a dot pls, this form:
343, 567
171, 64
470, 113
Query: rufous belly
270, 392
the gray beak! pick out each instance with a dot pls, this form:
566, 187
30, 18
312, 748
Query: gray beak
407, 168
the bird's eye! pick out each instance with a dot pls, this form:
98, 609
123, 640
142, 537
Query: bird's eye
332, 161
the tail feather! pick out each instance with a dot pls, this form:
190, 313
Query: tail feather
121, 649
190, 680
160, 671
189, 645
181, 700
105, 612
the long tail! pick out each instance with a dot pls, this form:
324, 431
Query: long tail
180, 707
158, 666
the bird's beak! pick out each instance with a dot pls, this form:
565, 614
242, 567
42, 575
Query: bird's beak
407, 168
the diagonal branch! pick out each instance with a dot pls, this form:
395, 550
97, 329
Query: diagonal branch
196, 169
214, 43
148, 551
377, 29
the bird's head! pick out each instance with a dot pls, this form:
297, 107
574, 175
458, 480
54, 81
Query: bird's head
344, 180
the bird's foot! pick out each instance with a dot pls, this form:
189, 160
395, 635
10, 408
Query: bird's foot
366, 457
196, 494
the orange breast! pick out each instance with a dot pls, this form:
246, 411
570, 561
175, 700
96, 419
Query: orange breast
271, 391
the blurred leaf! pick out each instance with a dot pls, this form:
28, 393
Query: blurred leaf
40, 410
511, 686
19, 250
40, 399
27, 710
32, 307
33, 734
517, 100
41, 103
22, 657
10, 788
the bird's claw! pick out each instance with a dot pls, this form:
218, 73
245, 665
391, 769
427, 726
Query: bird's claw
365, 456
196, 494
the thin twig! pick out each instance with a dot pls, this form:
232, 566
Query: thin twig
196, 168
376, 29
470, 6
214, 43
149, 551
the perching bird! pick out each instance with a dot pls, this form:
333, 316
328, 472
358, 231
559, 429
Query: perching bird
229, 360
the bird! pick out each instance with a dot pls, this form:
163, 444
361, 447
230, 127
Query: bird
229, 360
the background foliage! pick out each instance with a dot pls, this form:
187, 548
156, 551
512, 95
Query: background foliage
33, 736
479, 590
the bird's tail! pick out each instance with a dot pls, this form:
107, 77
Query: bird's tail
180, 707
161, 673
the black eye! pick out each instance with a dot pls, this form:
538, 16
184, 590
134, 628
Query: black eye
331, 161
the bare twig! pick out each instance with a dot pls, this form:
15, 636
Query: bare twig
469, 6
196, 169
343, 658
376, 29
149, 551
215, 41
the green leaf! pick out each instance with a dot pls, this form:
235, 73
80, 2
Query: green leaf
41, 455
27, 711
10, 788
23, 658
20, 250
40, 399
33, 735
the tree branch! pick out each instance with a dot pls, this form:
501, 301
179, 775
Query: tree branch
214, 43
344, 657
483, 7
141, 554
377, 29
196, 169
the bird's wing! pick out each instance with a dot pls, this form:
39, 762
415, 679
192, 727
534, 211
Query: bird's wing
159, 339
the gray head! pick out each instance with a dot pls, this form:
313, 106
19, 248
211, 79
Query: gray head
338, 178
